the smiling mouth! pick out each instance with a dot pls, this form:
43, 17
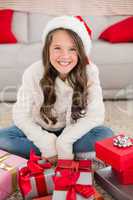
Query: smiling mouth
64, 64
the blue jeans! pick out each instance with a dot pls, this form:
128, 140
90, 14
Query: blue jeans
13, 140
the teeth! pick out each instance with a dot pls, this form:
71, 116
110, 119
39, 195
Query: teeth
64, 63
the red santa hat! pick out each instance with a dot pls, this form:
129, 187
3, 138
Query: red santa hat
86, 26
74, 23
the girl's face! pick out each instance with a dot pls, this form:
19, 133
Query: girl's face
63, 53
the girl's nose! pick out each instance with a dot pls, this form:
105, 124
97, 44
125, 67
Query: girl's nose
64, 53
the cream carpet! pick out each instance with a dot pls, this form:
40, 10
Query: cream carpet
119, 116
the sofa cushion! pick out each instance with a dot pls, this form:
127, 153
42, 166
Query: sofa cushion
6, 34
115, 76
20, 26
19, 55
30, 58
37, 22
14, 59
9, 55
105, 53
114, 19
97, 24
121, 31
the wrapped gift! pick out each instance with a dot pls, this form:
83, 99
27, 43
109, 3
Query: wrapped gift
9, 165
73, 180
35, 179
125, 177
97, 196
120, 158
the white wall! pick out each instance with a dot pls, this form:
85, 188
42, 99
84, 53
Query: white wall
72, 7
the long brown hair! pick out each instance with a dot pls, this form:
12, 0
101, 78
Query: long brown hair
77, 78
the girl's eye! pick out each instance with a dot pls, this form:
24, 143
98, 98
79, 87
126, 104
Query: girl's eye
56, 48
72, 49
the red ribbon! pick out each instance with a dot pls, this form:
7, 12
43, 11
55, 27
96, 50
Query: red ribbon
33, 168
69, 172
85, 165
67, 181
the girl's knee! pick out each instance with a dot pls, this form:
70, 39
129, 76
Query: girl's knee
6, 130
108, 132
10, 132
102, 132
6, 143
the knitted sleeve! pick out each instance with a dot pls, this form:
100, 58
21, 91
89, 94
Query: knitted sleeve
23, 119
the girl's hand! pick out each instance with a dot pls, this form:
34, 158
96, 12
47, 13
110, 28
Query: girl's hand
53, 159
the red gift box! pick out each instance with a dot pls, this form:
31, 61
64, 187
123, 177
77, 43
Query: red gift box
73, 180
97, 196
119, 158
36, 178
125, 177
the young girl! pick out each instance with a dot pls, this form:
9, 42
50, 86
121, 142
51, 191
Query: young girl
59, 109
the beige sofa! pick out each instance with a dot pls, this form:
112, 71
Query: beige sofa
115, 61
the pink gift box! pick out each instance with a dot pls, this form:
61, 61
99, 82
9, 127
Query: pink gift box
9, 165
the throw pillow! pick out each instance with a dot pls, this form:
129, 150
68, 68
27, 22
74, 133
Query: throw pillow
119, 32
6, 34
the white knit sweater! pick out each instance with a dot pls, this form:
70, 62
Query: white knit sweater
26, 113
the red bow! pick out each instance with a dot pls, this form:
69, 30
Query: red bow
33, 168
68, 182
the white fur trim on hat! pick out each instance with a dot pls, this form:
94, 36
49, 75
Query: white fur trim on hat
69, 22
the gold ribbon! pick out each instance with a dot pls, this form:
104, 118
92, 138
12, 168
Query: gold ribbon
4, 157
10, 169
